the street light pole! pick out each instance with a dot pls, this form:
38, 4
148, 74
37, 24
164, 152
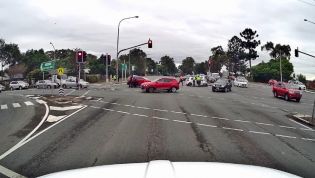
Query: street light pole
54, 50
280, 68
118, 41
309, 21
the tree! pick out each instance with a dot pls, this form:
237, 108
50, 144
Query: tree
235, 54
97, 66
201, 68
278, 50
33, 59
218, 58
250, 43
151, 66
137, 59
9, 53
187, 66
168, 66
301, 78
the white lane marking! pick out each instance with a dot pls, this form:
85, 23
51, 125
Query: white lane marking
41, 132
20, 143
182, 121
308, 139
140, 107
206, 125
242, 121
198, 115
162, 110
177, 112
27, 96
108, 109
141, 115
288, 127
70, 92
52, 118
28, 103
16, 105
99, 99
96, 107
285, 136
261, 123
115, 103
123, 112
228, 128
222, 118
7, 172
299, 124
4, 106
40, 101
307, 129
56, 108
263, 133
161, 118
85, 93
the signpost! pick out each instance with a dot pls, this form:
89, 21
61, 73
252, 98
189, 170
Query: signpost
47, 66
60, 71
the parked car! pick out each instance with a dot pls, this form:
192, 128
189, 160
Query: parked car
46, 84
222, 85
2, 88
241, 82
272, 82
287, 91
300, 85
136, 81
71, 83
18, 85
204, 82
165, 83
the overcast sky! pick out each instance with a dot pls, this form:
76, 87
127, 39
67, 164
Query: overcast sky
178, 28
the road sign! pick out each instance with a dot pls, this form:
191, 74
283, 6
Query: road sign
47, 66
123, 66
61, 91
133, 68
60, 71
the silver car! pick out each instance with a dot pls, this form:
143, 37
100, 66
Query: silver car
18, 85
46, 84
71, 83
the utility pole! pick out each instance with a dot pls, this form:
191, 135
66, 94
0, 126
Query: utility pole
106, 61
280, 68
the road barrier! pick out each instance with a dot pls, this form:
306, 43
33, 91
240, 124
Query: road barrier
61, 92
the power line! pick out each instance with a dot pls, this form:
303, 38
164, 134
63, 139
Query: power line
308, 3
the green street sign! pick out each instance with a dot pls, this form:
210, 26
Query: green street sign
123, 66
47, 66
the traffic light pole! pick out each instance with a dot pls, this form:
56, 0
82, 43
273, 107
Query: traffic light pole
106, 61
306, 53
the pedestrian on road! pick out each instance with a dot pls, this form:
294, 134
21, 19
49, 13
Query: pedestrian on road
198, 78
181, 80
194, 81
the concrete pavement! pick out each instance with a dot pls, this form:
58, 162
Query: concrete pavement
124, 125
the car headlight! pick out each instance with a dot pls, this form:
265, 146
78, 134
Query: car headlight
291, 91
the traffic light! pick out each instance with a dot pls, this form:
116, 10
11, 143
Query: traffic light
296, 51
150, 43
79, 58
84, 56
108, 59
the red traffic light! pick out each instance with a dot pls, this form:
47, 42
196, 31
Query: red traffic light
150, 43
79, 53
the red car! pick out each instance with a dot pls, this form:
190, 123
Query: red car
136, 81
287, 91
272, 82
166, 83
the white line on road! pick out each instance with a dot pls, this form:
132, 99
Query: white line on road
228, 128
96, 107
263, 133
140, 107
16, 105
160, 118
123, 112
28, 103
115, 103
85, 93
198, 115
20, 143
177, 112
140, 115
261, 123
242, 121
308, 139
182, 121
312, 130
288, 127
222, 118
99, 99
300, 124
162, 110
4, 106
206, 125
108, 109
56, 108
70, 92
7, 172
285, 136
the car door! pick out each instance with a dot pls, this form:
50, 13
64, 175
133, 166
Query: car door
14, 84
159, 84
281, 89
167, 84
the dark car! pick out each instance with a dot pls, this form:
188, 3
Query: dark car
136, 81
222, 85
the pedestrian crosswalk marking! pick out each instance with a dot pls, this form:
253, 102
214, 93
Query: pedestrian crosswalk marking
28, 103
16, 105
4, 106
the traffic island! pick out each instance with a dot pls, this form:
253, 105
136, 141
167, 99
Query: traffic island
304, 118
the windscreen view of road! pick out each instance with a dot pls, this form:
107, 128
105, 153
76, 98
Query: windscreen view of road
146, 88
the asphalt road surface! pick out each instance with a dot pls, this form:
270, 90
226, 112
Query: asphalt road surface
117, 124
